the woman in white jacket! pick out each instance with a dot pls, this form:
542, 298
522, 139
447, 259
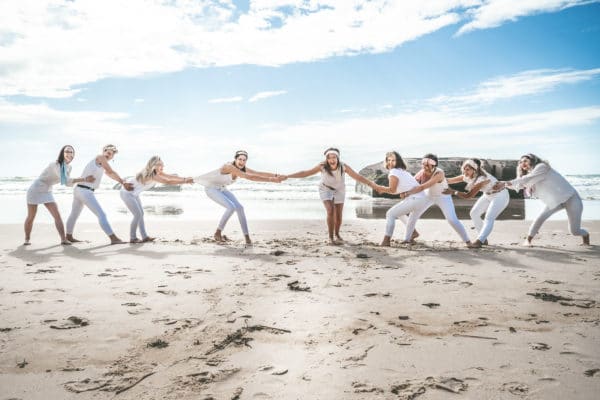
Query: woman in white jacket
40, 191
539, 180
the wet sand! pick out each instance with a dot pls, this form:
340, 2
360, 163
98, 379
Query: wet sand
296, 318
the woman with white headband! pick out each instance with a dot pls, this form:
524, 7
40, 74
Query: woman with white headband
83, 193
332, 188
144, 180
491, 202
40, 191
433, 181
539, 180
215, 186
400, 180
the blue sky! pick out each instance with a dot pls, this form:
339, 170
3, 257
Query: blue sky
195, 80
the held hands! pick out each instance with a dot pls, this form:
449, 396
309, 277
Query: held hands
278, 178
89, 179
128, 186
448, 191
499, 185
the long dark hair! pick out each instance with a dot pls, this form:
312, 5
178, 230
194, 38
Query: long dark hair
327, 167
61, 156
399, 161
533, 161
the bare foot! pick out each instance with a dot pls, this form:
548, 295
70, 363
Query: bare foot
148, 239
71, 239
526, 243
339, 239
135, 240
414, 235
116, 240
248, 241
218, 237
586, 240
65, 243
226, 239
386, 241
26, 242
485, 242
475, 245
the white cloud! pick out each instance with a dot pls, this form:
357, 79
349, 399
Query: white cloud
52, 48
138, 101
226, 100
521, 84
266, 95
493, 13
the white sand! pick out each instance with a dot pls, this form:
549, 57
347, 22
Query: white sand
345, 339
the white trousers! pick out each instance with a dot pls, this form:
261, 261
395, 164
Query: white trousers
574, 207
400, 211
134, 204
444, 202
85, 197
492, 206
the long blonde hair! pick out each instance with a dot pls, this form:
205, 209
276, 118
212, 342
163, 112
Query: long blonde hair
149, 171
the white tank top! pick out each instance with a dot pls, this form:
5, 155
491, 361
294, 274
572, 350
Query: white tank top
335, 182
405, 181
487, 188
214, 179
93, 169
437, 189
138, 187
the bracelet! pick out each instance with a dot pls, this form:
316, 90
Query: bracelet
456, 192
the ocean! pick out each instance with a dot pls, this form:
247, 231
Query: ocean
292, 199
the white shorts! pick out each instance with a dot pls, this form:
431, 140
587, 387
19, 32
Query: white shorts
337, 196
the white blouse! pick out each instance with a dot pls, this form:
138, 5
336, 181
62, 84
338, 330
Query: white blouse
546, 184
50, 177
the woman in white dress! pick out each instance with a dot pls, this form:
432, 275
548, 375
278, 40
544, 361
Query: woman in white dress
332, 189
491, 202
400, 180
83, 193
539, 180
144, 180
40, 191
215, 186
433, 181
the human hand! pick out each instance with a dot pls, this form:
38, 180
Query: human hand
128, 186
448, 191
499, 185
89, 179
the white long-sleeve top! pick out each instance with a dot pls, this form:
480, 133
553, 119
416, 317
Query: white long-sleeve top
546, 184
50, 177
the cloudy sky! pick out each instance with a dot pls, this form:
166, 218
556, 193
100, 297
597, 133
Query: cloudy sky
195, 80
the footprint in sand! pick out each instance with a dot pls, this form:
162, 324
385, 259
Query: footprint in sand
71, 323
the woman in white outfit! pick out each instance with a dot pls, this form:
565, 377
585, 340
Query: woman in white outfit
83, 193
332, 189
433, 181
491, 202
215, 186
144, 180
539, 180
400, 180
40, 191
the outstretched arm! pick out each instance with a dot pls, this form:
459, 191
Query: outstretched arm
230, 169
305, 173
471, 193
436, 178
172, 179
260, 173
109, 171
455, 179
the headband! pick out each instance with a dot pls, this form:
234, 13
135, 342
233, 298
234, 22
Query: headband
471, 164
429, 161
240, 153
328, 152
111, 147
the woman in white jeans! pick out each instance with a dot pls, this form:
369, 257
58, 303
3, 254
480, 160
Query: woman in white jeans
40, 192
433, 181
539, 180
215, 186
144, 180
83, 193
400, 180
491, 202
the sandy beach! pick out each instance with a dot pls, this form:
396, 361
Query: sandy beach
295, 318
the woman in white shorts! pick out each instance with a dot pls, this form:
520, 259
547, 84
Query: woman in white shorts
40, 191
332, 189
491, 202
144, 180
